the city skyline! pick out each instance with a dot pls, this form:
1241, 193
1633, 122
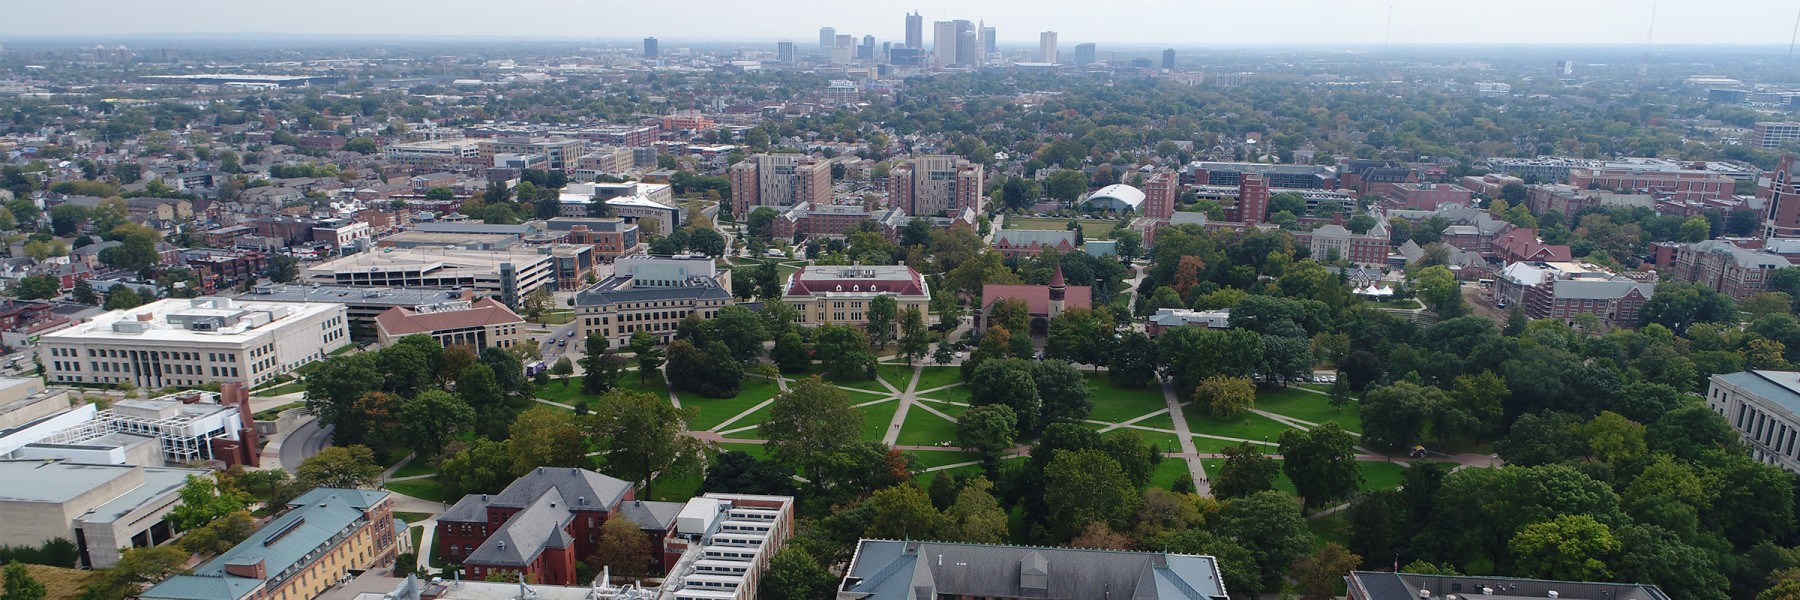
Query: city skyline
1304, 22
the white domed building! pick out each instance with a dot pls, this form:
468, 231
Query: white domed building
1117, 198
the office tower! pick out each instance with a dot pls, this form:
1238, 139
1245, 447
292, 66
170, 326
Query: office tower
827, 40
779, 180
1566, 67
867, 51
887, 51
906, 57
943, 43
1084, 54
1047, 47
968, 46
1253, 198
1169, 59
935, 185
784, 51
989, 43
650, 51
915, 31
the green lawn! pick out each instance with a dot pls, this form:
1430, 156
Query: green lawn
925, 429
1381, 475
1167, 472
424, 489
418, 466
1116, 404
876, 418
1212, 446
1162, 441
1092, 229
713, 412
1308, 406
418, 534
755, 450
412, 518
937, 458
1334, 527
1247, 425
861, 384
896, 375
959, 393
1162, 421
271, 414
954, 410
935, 377
676, 487
573, 396
294, 387
924, 479
555, 317
1281, 480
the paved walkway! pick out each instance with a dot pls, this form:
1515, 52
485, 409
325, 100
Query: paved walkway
1186, 439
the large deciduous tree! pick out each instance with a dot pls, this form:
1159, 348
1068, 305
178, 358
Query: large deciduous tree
1321, 463
640, 435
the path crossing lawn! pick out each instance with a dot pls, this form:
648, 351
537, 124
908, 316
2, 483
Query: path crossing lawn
1167, 471
572, 395
1246, 425
1205, 445
1157, 440
936, 458
935, 377
1308, 406
418, 466
877, 417
423, 489
897, 375
861, 384
954, 410
925, 429
1114, 404
755, 450
953, 394
1162, 421
1091, 229
924, 479
713, 412
864, 397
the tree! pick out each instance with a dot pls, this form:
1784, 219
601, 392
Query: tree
640, 435
808, 423
740, 330
1064, 392
1066, 185
706, 240
1319, 573
203, 501
1269, 526
430, 420
649, 357
219, 535
976, 516
283, 268
1133, 362
562, 369
36, 287
339, 467
1129, 243
987, 431
1401, 414
843, 352
1321, 463
1246, 471
20, 585
478, 386
545, 436
881, 313
333, 388
739, 472
1541, 438
623, 547
915, 339
137, 249
361, 145
1081, 335
1085, 486
483, 467
1009, 382
83, 293
1225, 397
135, 568
902, 512
602, 368
1678, 305
793, 574
790, 354
1569, 547
1437, 287
122, 297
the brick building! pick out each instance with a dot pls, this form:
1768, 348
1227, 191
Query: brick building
1562, 290
1676, 183
779, 180
1032, 242
935, 185
543, 523
1428, 196
1725, 267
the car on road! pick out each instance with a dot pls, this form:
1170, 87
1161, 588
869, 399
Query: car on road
562, 343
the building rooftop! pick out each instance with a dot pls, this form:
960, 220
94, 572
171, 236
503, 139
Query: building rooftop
286, 542
399, 321
191, 319
1780, 387
1037, 297
864, 279
58, 482
1409, 586
422, 259
351, 295
897, 570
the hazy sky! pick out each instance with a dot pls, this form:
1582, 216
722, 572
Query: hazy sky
1127, 22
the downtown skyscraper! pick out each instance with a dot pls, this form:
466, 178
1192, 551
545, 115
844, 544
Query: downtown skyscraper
915, 31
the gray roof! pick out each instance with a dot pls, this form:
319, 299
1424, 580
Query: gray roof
613, 291
58, 481
472, 227
1779, 387
1749, 259
903, 570
526, 534
650, 514
576, 488
1407, 586
1024, 237
407, 297
1588, 289
286, 542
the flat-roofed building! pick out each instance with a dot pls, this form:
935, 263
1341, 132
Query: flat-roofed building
194, 341
102, 508
434, 153
506, 275
361, 304
936, 185
480, 324
561, 152
610, 237
1764, 408
325, 536
652, 294
840, 295
1383, 585
904, 570
779, 180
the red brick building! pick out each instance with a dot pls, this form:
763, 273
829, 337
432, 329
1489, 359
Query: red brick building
1161, 189
1428, 196
1032, 242
544, 523
1725, 267
1680, 184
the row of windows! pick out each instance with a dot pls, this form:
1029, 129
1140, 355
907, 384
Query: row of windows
1770, 432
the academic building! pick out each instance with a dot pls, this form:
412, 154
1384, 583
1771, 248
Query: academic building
189, 342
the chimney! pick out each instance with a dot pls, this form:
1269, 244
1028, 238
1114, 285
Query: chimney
146, 317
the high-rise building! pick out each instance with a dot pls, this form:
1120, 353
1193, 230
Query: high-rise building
1565, 67
1772, 136
915, 31
1169, 59
827, 40
779, 180
990, 44
1160, 191
968, 44
867, 50
1084, 54
784, 51
1253, 198
938, 184
650, 50
1047, 47
943, 43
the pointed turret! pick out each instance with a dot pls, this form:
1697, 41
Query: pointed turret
1057, 291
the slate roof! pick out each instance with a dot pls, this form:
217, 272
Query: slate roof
650, 514
613, 291
1024, 238
892, 279
527, 534
1580, 289
904, 570
577, 488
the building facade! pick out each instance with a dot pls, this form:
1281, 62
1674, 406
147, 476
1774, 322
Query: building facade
779, 180
325, 535
905, 570
1772, 136
1726, 268
482, 324
543, 523
191, 342
936, 185
103, 508
652, 294
1764, 408
506, 275
1563, 290
840, 295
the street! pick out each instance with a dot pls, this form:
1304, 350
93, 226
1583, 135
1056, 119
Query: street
305, 441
